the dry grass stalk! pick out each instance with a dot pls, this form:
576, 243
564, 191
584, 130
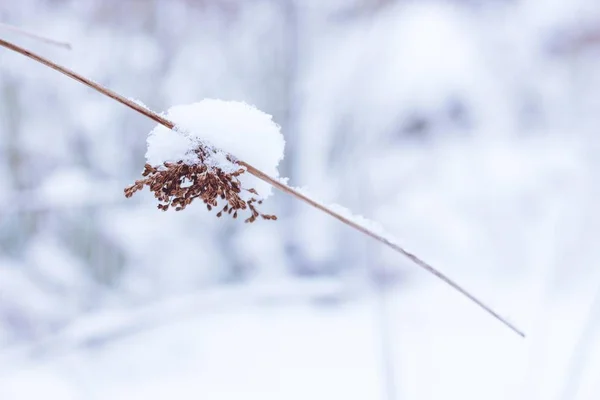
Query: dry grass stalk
261, 175
35, 36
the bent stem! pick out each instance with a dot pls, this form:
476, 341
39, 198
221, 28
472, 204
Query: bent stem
35, 36
266, 178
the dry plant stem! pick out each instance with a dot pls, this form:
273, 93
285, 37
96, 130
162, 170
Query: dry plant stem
261, 175
380, 239
35, 36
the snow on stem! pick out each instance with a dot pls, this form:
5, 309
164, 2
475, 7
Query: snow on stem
354, 223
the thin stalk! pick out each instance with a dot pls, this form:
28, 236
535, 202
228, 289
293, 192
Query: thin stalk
388, 364
274, 182
35, 36
583, 351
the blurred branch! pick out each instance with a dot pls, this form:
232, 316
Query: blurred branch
35, 36
581, 353
349, 221
388, 366
103, 328
573, 40
35, 200
361, 9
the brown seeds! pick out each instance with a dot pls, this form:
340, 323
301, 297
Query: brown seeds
178, 184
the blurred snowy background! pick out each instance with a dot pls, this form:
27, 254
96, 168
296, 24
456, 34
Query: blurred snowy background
469, 128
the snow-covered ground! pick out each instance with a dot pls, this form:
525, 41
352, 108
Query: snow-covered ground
236, 343
442, 347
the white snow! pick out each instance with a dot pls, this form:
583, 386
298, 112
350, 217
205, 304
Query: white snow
362, 221
291, 351
366, 223
232, 127
448, 123
139, 103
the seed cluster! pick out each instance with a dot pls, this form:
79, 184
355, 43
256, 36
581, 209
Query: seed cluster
178, 184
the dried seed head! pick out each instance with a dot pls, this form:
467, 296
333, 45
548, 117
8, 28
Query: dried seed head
177, 185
